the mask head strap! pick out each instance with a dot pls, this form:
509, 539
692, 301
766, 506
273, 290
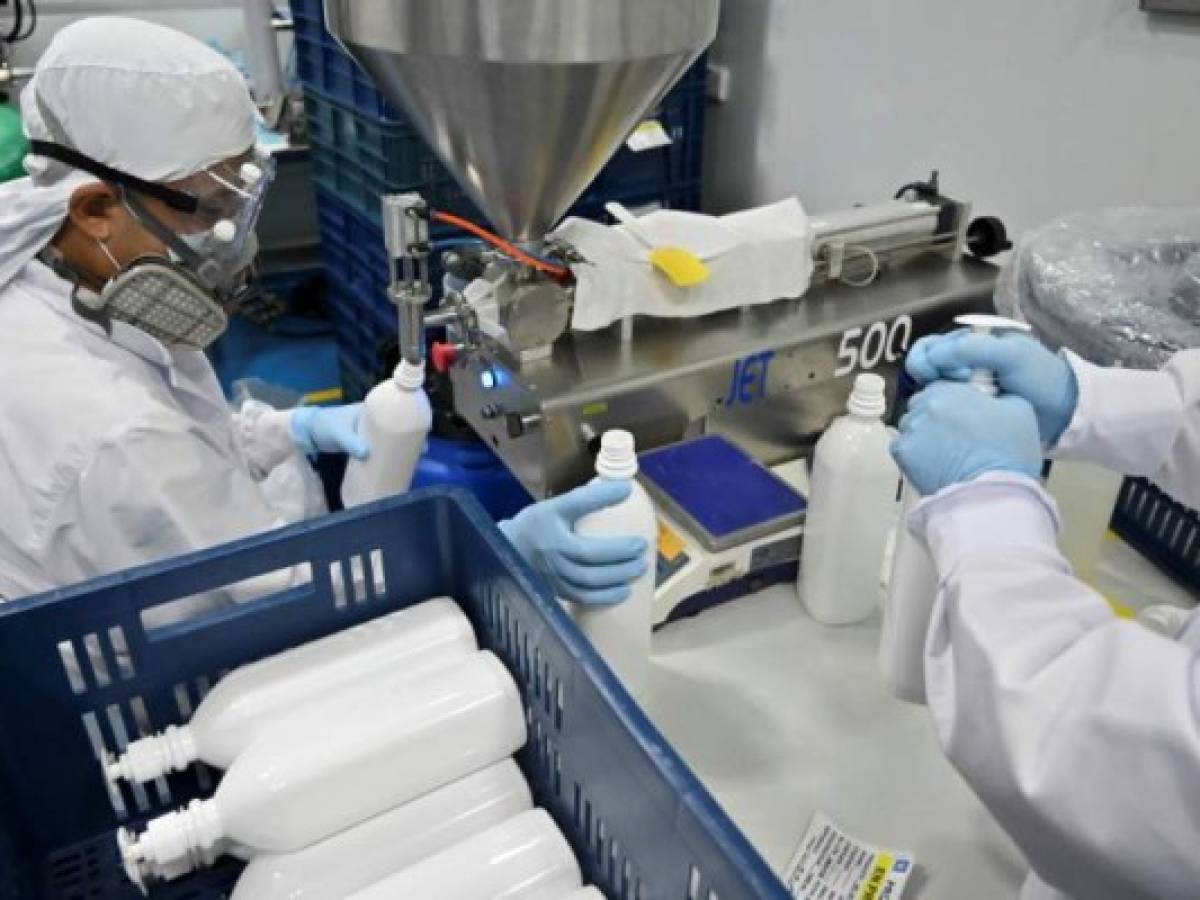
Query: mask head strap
177, 200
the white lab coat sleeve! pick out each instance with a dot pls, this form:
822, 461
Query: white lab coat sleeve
153, 493
1140, 423
1079, 731
265, 436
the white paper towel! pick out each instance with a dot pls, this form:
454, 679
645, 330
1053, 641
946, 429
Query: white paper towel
755, 257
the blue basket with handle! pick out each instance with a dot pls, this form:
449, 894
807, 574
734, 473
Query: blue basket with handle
641, 824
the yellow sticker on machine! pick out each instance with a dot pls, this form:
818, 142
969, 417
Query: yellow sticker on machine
670, 544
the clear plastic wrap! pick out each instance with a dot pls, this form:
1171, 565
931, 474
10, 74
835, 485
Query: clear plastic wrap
1118, 287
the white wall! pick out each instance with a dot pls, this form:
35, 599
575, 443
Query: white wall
1028, 107
204, 19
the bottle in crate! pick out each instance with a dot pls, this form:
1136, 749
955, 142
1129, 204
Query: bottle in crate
332, 766
254, 697
391, 842
525, 858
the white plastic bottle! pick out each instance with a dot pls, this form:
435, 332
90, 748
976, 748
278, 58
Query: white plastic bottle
315, 775
380, 847
908, 610
851, 506
525, 858
255, 696
1086, 495
621, 633
912, 590
395, 422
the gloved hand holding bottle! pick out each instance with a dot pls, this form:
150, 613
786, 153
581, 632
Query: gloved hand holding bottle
594, 571
333, 429
952, 434
1022, 366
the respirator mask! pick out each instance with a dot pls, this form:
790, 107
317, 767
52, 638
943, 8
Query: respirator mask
185, 298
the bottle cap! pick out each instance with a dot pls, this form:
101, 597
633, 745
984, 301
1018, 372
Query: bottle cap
979, 323
618, 455
985, 324
410, 377
868, 397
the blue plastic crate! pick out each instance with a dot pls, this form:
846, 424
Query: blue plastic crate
1161, 529
361, 342
396, 152
641, 824
681, 162
324, 67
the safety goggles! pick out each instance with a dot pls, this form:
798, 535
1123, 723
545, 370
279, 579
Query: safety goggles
209, 218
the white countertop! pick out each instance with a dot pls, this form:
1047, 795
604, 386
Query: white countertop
781, 717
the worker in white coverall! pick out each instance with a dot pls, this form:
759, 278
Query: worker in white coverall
120, 258
1079, 731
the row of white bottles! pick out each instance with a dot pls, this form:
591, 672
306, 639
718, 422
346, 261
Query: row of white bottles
332, 766
621, 633
256, 697
525, 858
852, 501
395, 423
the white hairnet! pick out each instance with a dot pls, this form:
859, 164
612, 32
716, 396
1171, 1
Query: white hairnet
130, 94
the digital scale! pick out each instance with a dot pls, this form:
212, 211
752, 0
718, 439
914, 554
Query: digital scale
728, 526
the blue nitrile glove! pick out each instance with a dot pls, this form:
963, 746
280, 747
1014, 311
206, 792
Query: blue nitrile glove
330, 429
1022, 367
594, 571
953, 433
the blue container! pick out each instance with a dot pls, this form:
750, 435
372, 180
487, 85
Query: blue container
473, 466
639, 821
361, 340
1161, 529
325, 67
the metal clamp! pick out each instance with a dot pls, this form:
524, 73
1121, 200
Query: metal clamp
406, 235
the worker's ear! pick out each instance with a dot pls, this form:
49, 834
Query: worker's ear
96, 210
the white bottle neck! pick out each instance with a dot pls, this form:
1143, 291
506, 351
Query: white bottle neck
409, 377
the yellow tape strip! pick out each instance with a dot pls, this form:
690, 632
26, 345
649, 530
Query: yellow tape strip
879, 873
316, 398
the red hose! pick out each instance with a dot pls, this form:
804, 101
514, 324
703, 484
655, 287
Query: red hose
506, 247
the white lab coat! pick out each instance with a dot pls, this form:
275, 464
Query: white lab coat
115, 451
1080, 732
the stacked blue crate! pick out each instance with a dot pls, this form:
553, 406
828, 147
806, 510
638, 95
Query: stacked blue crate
363, 147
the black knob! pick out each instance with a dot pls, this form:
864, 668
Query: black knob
987, 237
464, 265
519, 424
